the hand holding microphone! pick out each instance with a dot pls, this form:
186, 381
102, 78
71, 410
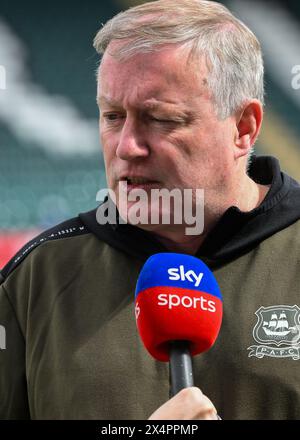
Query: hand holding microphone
178, 308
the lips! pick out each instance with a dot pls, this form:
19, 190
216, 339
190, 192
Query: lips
138, 182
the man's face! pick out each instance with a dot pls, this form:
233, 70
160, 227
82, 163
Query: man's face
159, 127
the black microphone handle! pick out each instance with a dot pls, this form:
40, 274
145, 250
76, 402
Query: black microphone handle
181, 366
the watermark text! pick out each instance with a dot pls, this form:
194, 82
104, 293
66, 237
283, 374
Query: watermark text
154, 207
296, 77
2, 78
2, 338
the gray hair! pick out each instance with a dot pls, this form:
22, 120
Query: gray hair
232, 51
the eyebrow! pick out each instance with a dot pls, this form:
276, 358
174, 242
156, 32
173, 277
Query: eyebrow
158, 105
169, 107
151, 106
106, 100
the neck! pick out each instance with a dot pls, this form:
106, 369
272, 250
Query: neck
250, 195
182, 244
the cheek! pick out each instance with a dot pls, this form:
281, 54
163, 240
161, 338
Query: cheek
108, 144
202, 160
108, 157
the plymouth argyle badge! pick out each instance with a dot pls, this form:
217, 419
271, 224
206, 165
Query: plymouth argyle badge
278, 330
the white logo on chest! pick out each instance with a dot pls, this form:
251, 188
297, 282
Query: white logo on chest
278, 332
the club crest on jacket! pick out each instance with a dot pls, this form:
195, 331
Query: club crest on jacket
278, 330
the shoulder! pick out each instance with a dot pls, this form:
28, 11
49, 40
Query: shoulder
69, 229
289, 236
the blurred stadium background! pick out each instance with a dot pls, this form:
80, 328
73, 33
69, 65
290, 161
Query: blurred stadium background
50, 165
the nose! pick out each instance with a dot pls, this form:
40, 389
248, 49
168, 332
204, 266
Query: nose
132, 142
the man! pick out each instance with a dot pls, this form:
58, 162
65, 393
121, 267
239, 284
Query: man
181, 105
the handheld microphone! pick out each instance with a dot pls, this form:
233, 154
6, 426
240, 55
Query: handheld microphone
178, 308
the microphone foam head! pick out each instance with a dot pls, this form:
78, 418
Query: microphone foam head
177, 298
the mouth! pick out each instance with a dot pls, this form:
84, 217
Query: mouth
137, 182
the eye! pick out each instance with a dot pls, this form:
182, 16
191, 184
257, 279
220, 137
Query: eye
162, 120
112, 117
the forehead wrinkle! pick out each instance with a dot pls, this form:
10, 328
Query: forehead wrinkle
154, 103
152, 88
148, 95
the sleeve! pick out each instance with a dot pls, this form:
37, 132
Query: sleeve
13, 387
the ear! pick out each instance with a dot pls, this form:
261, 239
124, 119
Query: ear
248, 126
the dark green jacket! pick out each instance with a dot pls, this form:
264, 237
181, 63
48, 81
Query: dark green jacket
72, 347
